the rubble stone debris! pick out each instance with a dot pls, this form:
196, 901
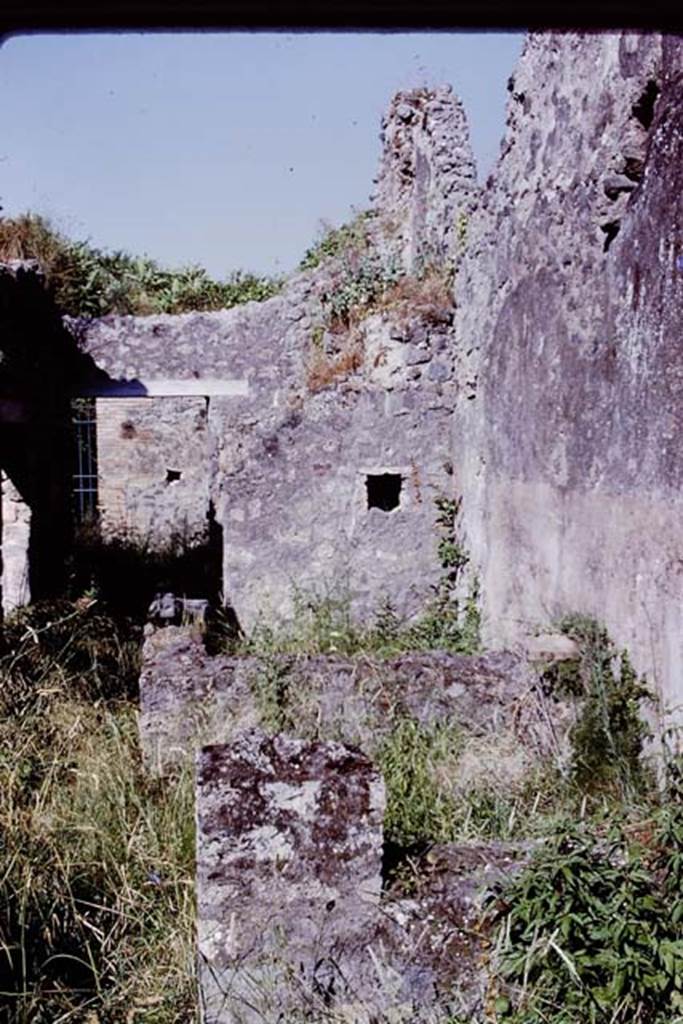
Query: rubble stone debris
288, 875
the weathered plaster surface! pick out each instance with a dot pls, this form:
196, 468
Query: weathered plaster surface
568, 454
16, 534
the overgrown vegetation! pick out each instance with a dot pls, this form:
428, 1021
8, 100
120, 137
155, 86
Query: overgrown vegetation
96, 859
89, 282
609, 732
362, 279
322, 622
334, 242
592, 930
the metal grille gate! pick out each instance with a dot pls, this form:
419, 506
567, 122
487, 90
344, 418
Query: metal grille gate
84, 487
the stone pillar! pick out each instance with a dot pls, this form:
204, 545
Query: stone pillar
288, 875
16, 533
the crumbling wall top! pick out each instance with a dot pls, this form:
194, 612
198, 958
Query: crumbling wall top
426, 184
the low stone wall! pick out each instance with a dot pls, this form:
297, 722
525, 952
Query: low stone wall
292, 913
188, 697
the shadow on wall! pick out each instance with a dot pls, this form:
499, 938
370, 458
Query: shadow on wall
41, 369
126, 571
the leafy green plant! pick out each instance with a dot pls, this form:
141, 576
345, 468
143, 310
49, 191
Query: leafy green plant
609, 733
461, 229
363, 279
270, 686
450, 622
322, 621
592, 929
335, 241
90, 282
418, 810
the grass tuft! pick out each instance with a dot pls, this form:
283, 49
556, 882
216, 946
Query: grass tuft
96, 859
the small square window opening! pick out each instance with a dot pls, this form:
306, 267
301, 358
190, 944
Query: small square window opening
384, 490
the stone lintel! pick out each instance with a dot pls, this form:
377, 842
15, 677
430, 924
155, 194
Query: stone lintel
206, 387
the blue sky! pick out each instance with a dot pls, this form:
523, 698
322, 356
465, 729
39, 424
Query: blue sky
224, 149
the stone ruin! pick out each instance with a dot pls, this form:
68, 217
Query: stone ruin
289, 872
299, 452
541, 392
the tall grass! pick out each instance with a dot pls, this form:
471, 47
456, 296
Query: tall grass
96, 859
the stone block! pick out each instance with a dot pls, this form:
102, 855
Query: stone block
551, 647
187, 697
288, 875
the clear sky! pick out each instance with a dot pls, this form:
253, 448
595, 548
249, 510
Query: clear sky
224, 149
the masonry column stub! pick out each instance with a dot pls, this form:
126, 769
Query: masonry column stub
288, 873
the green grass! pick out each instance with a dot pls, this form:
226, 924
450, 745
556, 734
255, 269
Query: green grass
96, 859
91, 282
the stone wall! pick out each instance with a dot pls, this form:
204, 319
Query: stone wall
569, 308
283, 467
300, 409
16, 535
426, 185
188, 697
154, 468
296, 507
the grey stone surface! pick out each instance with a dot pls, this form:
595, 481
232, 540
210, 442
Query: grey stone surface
288, 874
154, 469
425, 188
567, 454
188, 697
293, 920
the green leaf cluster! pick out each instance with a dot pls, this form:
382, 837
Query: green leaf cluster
336, 241
592, 930
90, 282
609, 732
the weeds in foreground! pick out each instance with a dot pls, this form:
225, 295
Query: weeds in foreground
90, 282
592, 930
323, 622
609, 731
96, 859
